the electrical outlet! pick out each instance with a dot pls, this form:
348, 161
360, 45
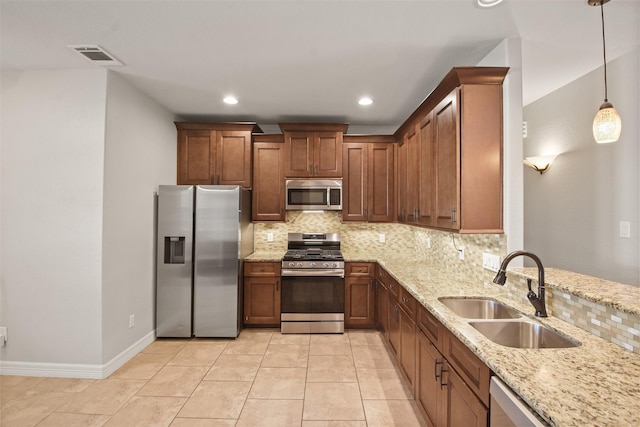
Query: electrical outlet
132, 321
428, 242
461, 252
3, 335
269, 237
491, 262
381, 238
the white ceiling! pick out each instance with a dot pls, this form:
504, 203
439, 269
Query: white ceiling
311, 60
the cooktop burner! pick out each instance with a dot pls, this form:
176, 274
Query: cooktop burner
313, 254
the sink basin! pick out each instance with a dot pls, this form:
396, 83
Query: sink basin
480, 308
523, 334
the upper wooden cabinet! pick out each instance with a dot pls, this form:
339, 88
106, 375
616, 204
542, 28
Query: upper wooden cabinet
368, 185
268, 190
313, 150
456, 135
214, 153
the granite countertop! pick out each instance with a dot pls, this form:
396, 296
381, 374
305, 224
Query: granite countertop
623, 298
597, 383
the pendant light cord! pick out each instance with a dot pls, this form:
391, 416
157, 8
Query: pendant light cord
604, 52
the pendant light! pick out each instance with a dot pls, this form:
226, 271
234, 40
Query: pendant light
607, 123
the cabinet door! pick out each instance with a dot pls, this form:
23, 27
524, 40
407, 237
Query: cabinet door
299, 154
262, 300
382, 308
427, 177
327, 154
463, 407
394, 325
268, 189
408, 349
380, 182
233, 165
354, 186
402, 182
196, 157
447, 163
413, 176
428, 368
359, 302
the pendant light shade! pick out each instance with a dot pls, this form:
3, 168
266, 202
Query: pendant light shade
607, 124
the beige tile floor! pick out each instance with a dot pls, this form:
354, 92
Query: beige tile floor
263, 378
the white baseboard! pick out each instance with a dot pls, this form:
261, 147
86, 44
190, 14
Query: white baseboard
69, 370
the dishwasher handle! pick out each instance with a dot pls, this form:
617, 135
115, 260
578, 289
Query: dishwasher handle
507, 409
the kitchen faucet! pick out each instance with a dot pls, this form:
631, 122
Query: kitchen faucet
536, 300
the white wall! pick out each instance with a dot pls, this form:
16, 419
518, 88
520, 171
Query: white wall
140, 154
573, 211
52, 142
509, 54
82, 153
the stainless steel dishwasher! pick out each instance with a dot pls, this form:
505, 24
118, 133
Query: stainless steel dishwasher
508, 410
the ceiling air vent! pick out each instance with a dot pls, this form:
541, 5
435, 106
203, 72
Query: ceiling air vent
96, 54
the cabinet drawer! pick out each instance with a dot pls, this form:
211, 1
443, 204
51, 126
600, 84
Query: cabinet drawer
408, 303
470, 368
431, 327
359, 269
261, 269
382, 275
394, 287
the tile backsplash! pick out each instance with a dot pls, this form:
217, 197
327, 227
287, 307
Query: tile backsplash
437, 248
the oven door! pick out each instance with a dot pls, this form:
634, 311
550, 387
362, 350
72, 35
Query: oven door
312, 304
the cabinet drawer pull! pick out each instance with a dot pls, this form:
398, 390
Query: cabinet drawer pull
435, 369
453, 215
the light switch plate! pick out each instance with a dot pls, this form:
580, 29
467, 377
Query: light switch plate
490, 262
382, 238
269, 237
625, 229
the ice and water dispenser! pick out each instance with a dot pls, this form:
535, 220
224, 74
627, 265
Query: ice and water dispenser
174, 249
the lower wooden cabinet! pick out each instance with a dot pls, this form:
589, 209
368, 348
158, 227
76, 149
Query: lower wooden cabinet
408, 348
394, 325
262, 294
449, 382
359, 301
441, 394
382, 303
429, 369
462, 408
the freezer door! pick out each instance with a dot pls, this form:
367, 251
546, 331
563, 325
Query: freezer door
174, 261
216, 261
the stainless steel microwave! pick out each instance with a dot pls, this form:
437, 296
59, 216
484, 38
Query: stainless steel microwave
314, 194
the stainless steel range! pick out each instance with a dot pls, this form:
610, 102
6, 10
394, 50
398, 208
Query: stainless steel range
312, 298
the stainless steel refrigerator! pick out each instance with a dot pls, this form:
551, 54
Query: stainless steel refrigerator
203, 234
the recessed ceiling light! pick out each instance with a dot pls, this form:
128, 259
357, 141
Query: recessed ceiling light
365, 100
488, 3
231, 100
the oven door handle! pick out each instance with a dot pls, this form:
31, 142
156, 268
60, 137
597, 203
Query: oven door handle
338, 272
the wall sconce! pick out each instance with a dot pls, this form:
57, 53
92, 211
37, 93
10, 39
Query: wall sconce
540, 163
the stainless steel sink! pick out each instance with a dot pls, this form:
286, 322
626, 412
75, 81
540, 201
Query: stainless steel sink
479, 308
523, 334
